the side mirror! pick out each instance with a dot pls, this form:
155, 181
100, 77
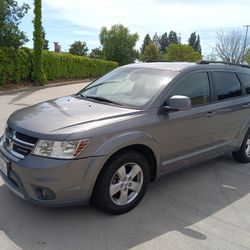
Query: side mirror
178, 103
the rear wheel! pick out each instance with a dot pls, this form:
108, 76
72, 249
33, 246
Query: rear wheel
123, 183
243, 154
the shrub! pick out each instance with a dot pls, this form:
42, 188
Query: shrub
17, 65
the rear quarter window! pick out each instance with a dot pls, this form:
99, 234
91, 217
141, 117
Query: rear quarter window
245, 79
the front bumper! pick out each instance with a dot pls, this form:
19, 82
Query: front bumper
71, 181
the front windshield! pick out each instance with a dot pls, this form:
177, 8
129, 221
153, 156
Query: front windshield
128, 86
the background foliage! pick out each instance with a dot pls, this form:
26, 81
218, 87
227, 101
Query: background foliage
10, 17
17, 65
119, 44
78, 48
38, 72
182, 53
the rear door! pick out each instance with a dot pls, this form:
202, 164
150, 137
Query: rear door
232, 107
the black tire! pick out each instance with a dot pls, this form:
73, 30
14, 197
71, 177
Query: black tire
241, 155
102, 197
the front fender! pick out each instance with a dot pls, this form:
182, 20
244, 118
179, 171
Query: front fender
123, 140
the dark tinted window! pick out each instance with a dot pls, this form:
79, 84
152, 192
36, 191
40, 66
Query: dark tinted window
246, 81
195, 86
227, 85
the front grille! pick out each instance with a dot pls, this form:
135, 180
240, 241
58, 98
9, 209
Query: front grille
19, 144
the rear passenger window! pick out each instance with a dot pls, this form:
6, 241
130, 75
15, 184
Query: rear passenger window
227, 85
245, 79
196, 86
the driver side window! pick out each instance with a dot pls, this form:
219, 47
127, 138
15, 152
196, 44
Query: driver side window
195, 86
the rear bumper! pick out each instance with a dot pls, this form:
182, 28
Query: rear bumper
69, 181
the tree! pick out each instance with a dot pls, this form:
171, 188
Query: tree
182, 53
172, 37
119, 44
229, 46
194, 42
156, 40
97, 53
10, 17
38, 75
45, 41
147, 40
151, 52
164, 42
247, 57
78, 48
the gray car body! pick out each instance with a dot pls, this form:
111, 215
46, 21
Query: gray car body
172, 139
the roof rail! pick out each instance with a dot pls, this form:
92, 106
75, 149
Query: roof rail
157, 60
221, 62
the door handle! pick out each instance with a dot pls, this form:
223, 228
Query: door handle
209, 114
246, 105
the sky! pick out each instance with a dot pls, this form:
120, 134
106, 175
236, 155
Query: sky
66, 21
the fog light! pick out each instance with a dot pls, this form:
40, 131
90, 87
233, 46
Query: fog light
43, 193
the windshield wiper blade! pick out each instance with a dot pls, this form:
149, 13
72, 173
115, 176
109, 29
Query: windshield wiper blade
99, 84
100, 98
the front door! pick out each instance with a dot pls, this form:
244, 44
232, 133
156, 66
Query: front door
188, 135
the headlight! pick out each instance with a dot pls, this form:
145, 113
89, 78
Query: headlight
60, 149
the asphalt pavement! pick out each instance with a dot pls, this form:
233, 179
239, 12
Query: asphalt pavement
203, 207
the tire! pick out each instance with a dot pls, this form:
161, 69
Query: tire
122, 184
243, 154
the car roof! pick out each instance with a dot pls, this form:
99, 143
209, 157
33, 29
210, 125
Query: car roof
181, 66
173, 66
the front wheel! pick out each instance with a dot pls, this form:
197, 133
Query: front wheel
123, 183
243, 154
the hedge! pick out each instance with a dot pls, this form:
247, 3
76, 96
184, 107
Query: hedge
16, 65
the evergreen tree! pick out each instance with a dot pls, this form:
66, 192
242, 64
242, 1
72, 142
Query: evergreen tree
172, 37
198, 45
147, 40
156, 41
194, 42
164, 42
38, 75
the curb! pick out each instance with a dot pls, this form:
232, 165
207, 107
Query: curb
50, 85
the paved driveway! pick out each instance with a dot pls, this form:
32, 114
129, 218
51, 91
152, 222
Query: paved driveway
204, 207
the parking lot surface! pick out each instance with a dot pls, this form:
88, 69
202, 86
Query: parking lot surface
203, 207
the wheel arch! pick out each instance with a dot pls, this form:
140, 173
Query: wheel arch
145, 150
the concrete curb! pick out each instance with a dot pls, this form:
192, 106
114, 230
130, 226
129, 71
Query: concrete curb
50, 85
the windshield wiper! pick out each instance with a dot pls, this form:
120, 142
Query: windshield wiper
99, 84
100, 98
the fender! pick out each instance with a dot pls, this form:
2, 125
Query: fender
126, 139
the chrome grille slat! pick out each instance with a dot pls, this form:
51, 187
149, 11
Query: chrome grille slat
19, 144
23, 142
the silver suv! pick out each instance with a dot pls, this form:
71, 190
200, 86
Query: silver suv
107, 142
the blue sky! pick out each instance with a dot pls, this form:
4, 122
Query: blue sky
66, 21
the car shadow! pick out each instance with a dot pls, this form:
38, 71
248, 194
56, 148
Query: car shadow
175, 202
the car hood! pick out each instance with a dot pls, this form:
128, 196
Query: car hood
65, 113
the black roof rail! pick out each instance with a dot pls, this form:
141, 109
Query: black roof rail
157, 60
221, 62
